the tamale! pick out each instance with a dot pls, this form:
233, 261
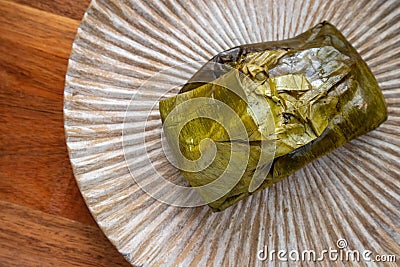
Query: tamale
305, 96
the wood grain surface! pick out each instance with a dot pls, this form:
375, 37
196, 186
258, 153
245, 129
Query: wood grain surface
43, 218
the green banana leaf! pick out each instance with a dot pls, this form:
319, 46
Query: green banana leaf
297, 100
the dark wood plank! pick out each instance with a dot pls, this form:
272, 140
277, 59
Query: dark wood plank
33, 238
37, 29
34, 165
71, 9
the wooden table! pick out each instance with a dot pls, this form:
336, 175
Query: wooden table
43, 218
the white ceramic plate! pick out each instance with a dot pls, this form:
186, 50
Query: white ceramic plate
352, 193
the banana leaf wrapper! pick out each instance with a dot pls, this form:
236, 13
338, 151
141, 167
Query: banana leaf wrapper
320, 95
